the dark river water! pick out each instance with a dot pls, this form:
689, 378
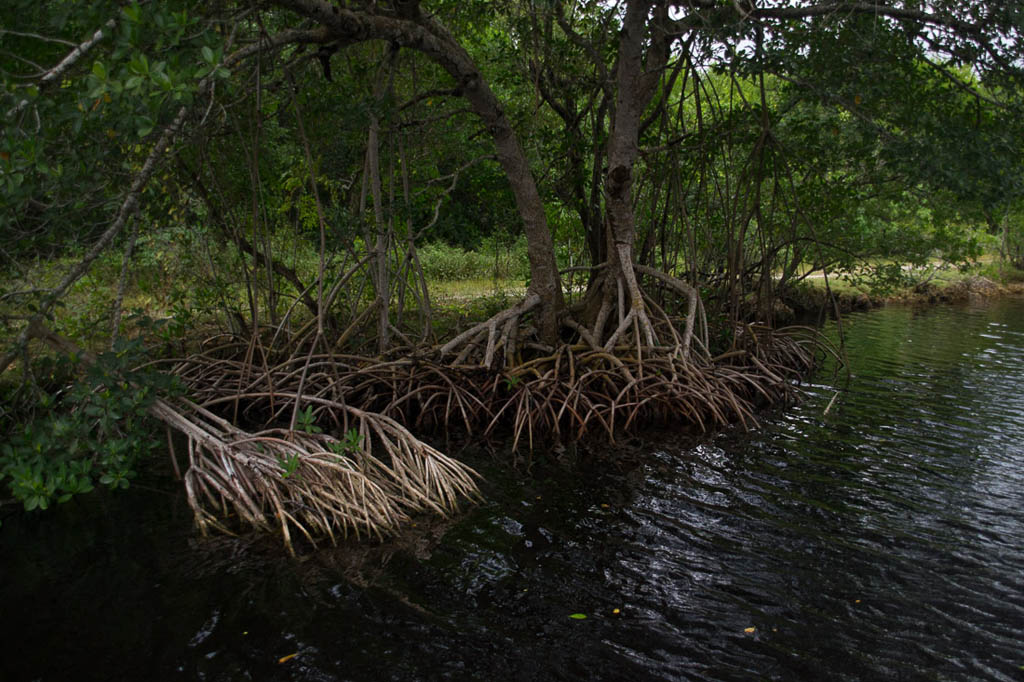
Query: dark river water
883, 540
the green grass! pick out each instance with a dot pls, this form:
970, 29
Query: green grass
461, 290
195, 284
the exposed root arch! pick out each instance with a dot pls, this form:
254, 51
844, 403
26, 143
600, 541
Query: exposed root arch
500, 332
618, 312
695, 308
639, 322
648, 367
632, 312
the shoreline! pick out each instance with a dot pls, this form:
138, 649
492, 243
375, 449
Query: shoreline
805, 300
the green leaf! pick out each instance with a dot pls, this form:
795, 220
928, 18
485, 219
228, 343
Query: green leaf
207, 54
578, 616
161, 79
99, 70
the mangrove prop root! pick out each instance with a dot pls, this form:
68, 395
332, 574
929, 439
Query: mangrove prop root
299, 481
351, 465
572, 391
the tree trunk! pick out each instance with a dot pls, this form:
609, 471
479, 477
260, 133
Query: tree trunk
635, 85
380, 249
427, 35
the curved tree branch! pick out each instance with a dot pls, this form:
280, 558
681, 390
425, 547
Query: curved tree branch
429, 36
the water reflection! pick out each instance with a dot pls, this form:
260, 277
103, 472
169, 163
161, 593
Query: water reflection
882, 540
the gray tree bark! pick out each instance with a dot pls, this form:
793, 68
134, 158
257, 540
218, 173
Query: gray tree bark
643, 55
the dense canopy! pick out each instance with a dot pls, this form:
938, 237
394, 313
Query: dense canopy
659, 173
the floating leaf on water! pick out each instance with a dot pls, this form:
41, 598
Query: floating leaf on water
578, 616
749, 630
285, 659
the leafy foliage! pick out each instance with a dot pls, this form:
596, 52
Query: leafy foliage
781, 139
92, 432
67, 142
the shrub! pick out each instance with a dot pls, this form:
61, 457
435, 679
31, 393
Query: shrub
442, 262
93, 431
1002, 272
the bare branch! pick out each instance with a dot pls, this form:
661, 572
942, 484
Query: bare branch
48, 39
69, 60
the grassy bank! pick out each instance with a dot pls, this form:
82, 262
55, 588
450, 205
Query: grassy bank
930, 285
188, 288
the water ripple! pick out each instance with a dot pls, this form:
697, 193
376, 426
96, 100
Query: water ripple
883, 540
